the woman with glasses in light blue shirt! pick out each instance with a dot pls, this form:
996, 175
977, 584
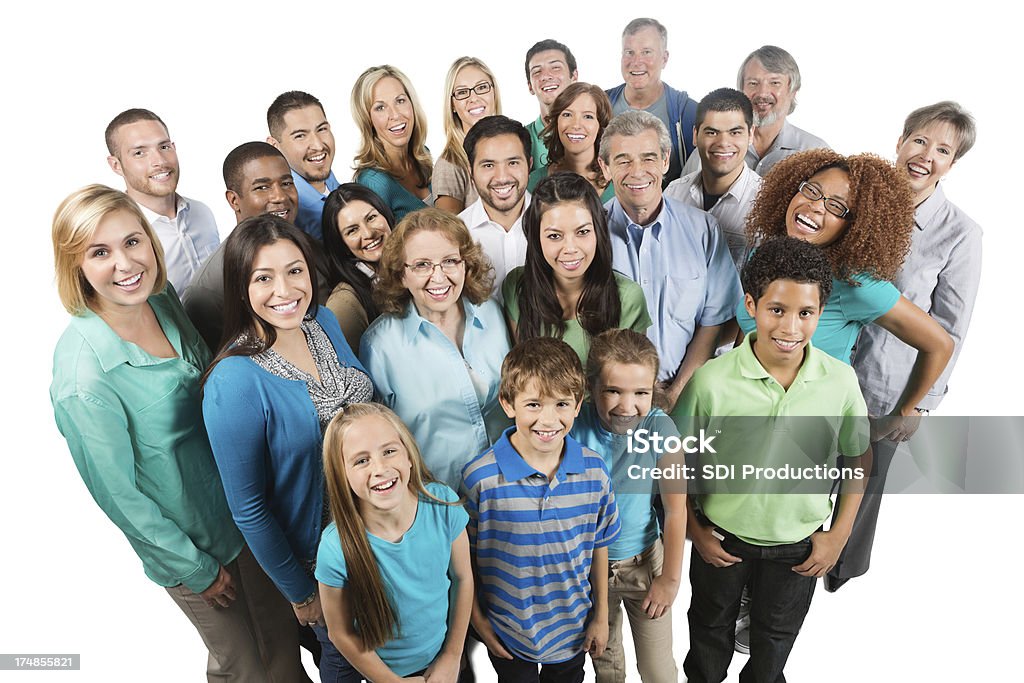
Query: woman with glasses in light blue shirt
435, 353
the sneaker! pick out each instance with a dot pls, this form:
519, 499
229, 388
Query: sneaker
742, 641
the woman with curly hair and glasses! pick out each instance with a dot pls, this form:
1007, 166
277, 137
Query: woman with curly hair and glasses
859, 210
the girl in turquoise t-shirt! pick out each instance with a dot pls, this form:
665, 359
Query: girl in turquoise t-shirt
384, 563
859, 210
567, 288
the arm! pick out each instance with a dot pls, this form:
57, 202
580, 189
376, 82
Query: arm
445, 668
348, 642
351, 316
698, 351
597, 629
664, 588
478, 617
826, 546
449, 204
707, 545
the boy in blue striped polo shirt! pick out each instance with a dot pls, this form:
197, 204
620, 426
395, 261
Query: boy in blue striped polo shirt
542, 515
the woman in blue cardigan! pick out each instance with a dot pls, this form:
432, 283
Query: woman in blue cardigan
267, 398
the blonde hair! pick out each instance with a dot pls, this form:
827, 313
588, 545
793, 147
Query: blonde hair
74, 225
623, 347
392, 296
373, 616
453, 131
371, 152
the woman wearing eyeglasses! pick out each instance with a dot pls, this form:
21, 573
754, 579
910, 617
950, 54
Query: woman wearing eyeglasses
435, 353
470, 94
859, 210
393, 159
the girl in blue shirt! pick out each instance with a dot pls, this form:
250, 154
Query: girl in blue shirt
386, 564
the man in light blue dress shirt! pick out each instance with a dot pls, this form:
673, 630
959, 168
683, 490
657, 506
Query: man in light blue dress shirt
299, 128
676, 253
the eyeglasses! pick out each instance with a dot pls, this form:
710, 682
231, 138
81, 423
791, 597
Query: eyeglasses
481, 88
426, 268
833, 206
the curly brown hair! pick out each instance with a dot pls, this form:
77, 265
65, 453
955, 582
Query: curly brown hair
881, 221
393, 297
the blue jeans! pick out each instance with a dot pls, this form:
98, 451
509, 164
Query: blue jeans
780, 599
334, 668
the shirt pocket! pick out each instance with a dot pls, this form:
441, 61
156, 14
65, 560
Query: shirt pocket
683, 300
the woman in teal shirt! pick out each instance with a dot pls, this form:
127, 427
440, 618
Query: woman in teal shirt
125, 395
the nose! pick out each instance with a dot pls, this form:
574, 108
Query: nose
277, 195
790, 323
436, 274
120, 259
281, 287
365, 232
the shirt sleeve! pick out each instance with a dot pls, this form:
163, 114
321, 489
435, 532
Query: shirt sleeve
455, 516
607, 529
509, 295
855, 430
331, 569
633, 305
449, 180
374, 360
869, 301
724, 291
97, 436
351, 316
238, 434
472, 508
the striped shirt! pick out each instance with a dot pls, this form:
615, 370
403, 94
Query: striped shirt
533, 540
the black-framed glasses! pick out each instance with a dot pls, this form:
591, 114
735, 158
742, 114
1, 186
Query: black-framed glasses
833, 206
481, 88
426, 268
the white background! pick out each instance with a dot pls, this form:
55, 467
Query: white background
942, 601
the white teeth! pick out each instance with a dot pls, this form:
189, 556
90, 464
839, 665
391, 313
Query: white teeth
575, 137
398, 129
638, 187
571, 265
804, 220
438, 291
549, 88
546, 435
128, 282
476, 111
385, 486
785, 343
502, 190
161, 176
316, 159
286, 308
370, 246
280, 214
918, 169
637, 73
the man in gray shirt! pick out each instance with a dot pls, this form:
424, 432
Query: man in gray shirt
941, 276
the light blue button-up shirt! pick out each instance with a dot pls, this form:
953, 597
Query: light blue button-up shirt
311, 204
420, 374
682, 262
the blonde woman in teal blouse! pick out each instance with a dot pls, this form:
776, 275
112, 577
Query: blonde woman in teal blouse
125, 395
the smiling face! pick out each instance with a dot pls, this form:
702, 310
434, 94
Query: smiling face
549, 74
623, 394
808, 220
635, 167
786, 316
926, 156
436, 294
279, 285
501, 172
474, 107
391, 113
721, 140
119, 263
768, 92
578, 125
643, 58
363, 230
377, 464
542, 421
267, 187
307, 143
568, 241
145, 157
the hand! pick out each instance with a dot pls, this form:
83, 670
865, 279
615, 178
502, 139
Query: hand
660, 597
596, 639
896, 427
444, 669
484, 629
221, 592
671, 395
826, 546
709, 547
311, 614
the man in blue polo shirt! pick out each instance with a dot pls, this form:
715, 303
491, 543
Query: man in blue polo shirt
675, 252
299, 128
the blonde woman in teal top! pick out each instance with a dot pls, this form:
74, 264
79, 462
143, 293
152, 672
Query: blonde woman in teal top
125, 395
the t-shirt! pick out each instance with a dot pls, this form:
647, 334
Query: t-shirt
847, 311
415, 575
632, 306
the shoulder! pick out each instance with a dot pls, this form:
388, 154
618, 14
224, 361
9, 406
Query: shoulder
508, 287
683, 213
198, 208
806, 140
441, 492
480, 469
616, 92
841, 377
384, 328
375, 179
76, 367
628, 289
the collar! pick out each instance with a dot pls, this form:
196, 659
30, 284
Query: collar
513, 467
181, 204
925, 213
310, 193
475, 215
111, 350
413, 322
620, 224
812, 368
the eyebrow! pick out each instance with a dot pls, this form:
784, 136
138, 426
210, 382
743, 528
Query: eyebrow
126, 237
581, 225
296, 261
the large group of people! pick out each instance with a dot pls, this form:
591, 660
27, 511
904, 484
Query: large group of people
389, 417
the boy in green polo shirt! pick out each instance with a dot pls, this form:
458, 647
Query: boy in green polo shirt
771, 540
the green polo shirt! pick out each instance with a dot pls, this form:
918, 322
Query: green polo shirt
134, 426
538, 150
736, 385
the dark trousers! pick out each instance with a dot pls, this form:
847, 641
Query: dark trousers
780, 599
521, 671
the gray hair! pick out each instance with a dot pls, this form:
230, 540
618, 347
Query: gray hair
646, 22
630, 124
775, 60
949, 112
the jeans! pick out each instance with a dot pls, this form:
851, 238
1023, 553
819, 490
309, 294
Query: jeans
518, 670
334, 668
780, 599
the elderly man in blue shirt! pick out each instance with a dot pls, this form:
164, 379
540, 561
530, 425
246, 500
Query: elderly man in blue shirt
676, 253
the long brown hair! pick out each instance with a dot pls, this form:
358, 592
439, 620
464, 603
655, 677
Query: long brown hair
373, 616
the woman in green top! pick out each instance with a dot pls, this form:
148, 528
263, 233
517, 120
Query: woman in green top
125, 395
567, 289
572, 135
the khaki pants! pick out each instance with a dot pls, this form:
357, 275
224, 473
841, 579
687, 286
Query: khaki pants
255, 639
628, 583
